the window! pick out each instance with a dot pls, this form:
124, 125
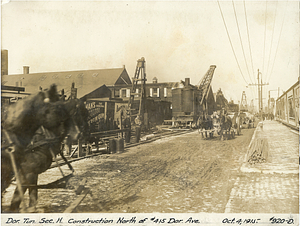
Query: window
165, 92
127, 92
123, 92
117, 93
137, 91
154, 92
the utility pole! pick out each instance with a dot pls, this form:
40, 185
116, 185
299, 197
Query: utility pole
259, 88
269, 100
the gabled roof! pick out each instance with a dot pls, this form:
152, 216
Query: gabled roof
85, 81
101, 92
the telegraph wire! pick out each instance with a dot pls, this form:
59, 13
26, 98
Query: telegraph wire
272, 40
278, 41
248, 38
231, 42
237, 24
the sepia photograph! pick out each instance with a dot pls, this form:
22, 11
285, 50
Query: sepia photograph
150, 112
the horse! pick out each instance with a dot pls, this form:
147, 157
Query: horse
205, 123
20, 121
236, 122
46, 145
226, 124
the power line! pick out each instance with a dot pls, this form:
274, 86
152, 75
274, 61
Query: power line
231, 43
249, 39
272, 40
237, 24
263, 67
278, 41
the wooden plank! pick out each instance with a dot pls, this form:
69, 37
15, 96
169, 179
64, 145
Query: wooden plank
80, 149
74, 151
108, 132
80, 188
77, 201
13, 88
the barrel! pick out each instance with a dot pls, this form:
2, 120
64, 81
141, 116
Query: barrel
137, 134
112, 146
120, 145
127, 136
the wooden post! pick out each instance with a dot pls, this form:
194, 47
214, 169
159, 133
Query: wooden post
68, 145
97, 144
80, 149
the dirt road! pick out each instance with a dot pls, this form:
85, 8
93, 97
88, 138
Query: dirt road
181, 174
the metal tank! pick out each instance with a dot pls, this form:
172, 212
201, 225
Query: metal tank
177, 102
187, 98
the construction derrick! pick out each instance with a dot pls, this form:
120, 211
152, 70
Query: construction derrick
138, 89
243, 105
205, 86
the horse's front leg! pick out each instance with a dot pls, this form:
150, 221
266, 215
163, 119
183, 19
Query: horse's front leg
33, 191
17, 197
221, 134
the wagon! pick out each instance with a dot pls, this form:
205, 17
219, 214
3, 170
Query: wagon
207, 133
210, 132
228, 134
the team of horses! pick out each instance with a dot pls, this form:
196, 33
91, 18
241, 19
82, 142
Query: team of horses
221, 123
33, 130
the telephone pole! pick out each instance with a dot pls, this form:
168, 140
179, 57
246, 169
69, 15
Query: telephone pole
259, 85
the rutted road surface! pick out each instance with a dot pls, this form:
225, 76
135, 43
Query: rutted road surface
181, 174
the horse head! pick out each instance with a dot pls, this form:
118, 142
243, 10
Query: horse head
25, 116
77, 125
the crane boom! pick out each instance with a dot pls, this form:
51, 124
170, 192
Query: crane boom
205, 83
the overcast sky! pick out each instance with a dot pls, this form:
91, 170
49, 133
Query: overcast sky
178, 39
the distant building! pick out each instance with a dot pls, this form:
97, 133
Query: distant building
159, 91
86, 81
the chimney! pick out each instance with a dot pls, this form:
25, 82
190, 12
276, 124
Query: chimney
25, 70
154, 80
187, 82
123, 66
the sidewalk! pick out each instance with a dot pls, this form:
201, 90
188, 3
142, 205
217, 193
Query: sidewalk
273, 186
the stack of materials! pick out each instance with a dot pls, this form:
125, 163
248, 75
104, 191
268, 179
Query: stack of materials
258, 151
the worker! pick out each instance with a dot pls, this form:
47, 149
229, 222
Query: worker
127, 125
138, 124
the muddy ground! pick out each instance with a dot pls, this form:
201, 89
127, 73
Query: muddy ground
181, 174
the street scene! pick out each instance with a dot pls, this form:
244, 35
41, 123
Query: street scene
198, 120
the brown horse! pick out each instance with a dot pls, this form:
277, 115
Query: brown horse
20, 121
226, 124
205, 123
47, 144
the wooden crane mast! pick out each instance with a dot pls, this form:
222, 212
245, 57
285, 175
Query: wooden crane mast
139, 79
205, 86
